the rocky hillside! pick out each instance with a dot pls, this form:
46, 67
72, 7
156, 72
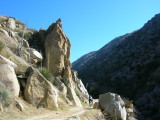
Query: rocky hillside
35, 67
128, 65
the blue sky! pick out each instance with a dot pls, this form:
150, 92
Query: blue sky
89, 24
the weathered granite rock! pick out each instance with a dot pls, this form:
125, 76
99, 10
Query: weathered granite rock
11, 23
57, 49
4, 32
84, 95
113, 104
35, 54
57, 52
60, 85
8, 77
4, 60
39, 91
19, 105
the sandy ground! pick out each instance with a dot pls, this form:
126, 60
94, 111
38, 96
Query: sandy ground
60, 115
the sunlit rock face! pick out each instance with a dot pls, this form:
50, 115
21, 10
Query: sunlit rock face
57, 53
8, 78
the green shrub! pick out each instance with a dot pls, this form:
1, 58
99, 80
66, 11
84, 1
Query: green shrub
4, 97
46, 74
27, 35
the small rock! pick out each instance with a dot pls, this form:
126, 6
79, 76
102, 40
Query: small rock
19, 105
35, 54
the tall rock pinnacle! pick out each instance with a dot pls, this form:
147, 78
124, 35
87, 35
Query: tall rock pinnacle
57, 52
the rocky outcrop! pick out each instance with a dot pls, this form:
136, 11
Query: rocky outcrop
11, 23
33, 86
40, 92
8, 78
79, 86
57, 52
113, 105
4, 32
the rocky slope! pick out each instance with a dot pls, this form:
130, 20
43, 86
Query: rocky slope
128, 65
23, 52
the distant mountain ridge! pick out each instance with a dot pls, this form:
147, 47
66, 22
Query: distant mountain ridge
128, 65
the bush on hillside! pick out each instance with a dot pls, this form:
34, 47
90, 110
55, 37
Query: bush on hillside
46, 73
149, 104
27, 35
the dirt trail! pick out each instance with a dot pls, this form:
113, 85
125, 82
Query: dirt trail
59, 115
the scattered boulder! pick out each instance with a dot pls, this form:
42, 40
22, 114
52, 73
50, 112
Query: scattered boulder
39, 91
8, 77
113, 105
35, 54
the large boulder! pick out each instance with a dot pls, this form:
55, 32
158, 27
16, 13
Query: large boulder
8, 78
22, 66
4, 60
113, 105
60, 85
35, 54
39, 91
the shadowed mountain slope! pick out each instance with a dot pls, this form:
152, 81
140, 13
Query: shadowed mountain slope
128, 65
